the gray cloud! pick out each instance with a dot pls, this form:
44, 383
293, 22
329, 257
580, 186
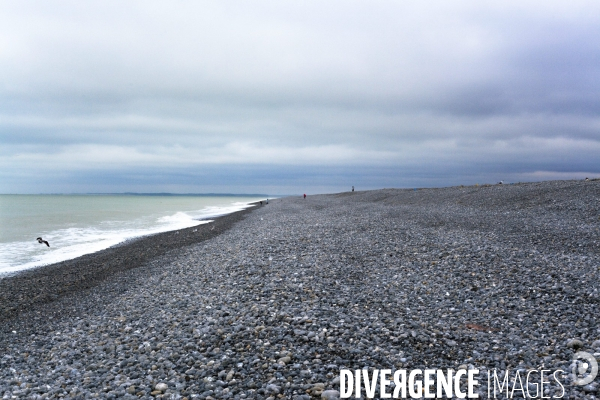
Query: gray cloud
142, 96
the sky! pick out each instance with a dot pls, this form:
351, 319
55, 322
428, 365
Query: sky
286, 97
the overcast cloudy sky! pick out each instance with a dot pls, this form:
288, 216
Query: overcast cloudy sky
295, 96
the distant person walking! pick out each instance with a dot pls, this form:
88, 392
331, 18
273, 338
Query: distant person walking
353, 188
304, 195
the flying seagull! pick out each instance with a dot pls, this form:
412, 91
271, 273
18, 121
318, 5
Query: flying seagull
40, 241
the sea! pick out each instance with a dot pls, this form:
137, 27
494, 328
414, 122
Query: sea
75, 225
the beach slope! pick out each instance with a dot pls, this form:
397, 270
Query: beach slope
494, 277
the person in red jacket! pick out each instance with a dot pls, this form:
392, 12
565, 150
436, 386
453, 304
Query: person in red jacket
304, 195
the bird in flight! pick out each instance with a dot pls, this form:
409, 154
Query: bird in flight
40, 241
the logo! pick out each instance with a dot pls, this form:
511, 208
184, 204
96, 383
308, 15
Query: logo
584, 368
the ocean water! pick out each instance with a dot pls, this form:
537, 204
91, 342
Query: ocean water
75, 225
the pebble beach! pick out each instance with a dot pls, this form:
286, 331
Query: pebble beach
272, 302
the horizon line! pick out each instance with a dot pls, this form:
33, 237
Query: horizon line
144, 194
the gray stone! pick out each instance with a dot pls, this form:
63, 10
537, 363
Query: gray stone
271, 388
575, 344
591, 388
330, 395
161, 386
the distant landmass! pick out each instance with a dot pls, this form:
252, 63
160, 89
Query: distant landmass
195, 194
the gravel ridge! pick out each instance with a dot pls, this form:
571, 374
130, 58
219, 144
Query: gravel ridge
500, 277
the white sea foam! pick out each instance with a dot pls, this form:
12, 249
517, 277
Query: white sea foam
69, 243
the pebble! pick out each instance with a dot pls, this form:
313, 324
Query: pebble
330, 395
161, 386
591, 388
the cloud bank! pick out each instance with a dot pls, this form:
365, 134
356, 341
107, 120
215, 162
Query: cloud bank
287, 97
